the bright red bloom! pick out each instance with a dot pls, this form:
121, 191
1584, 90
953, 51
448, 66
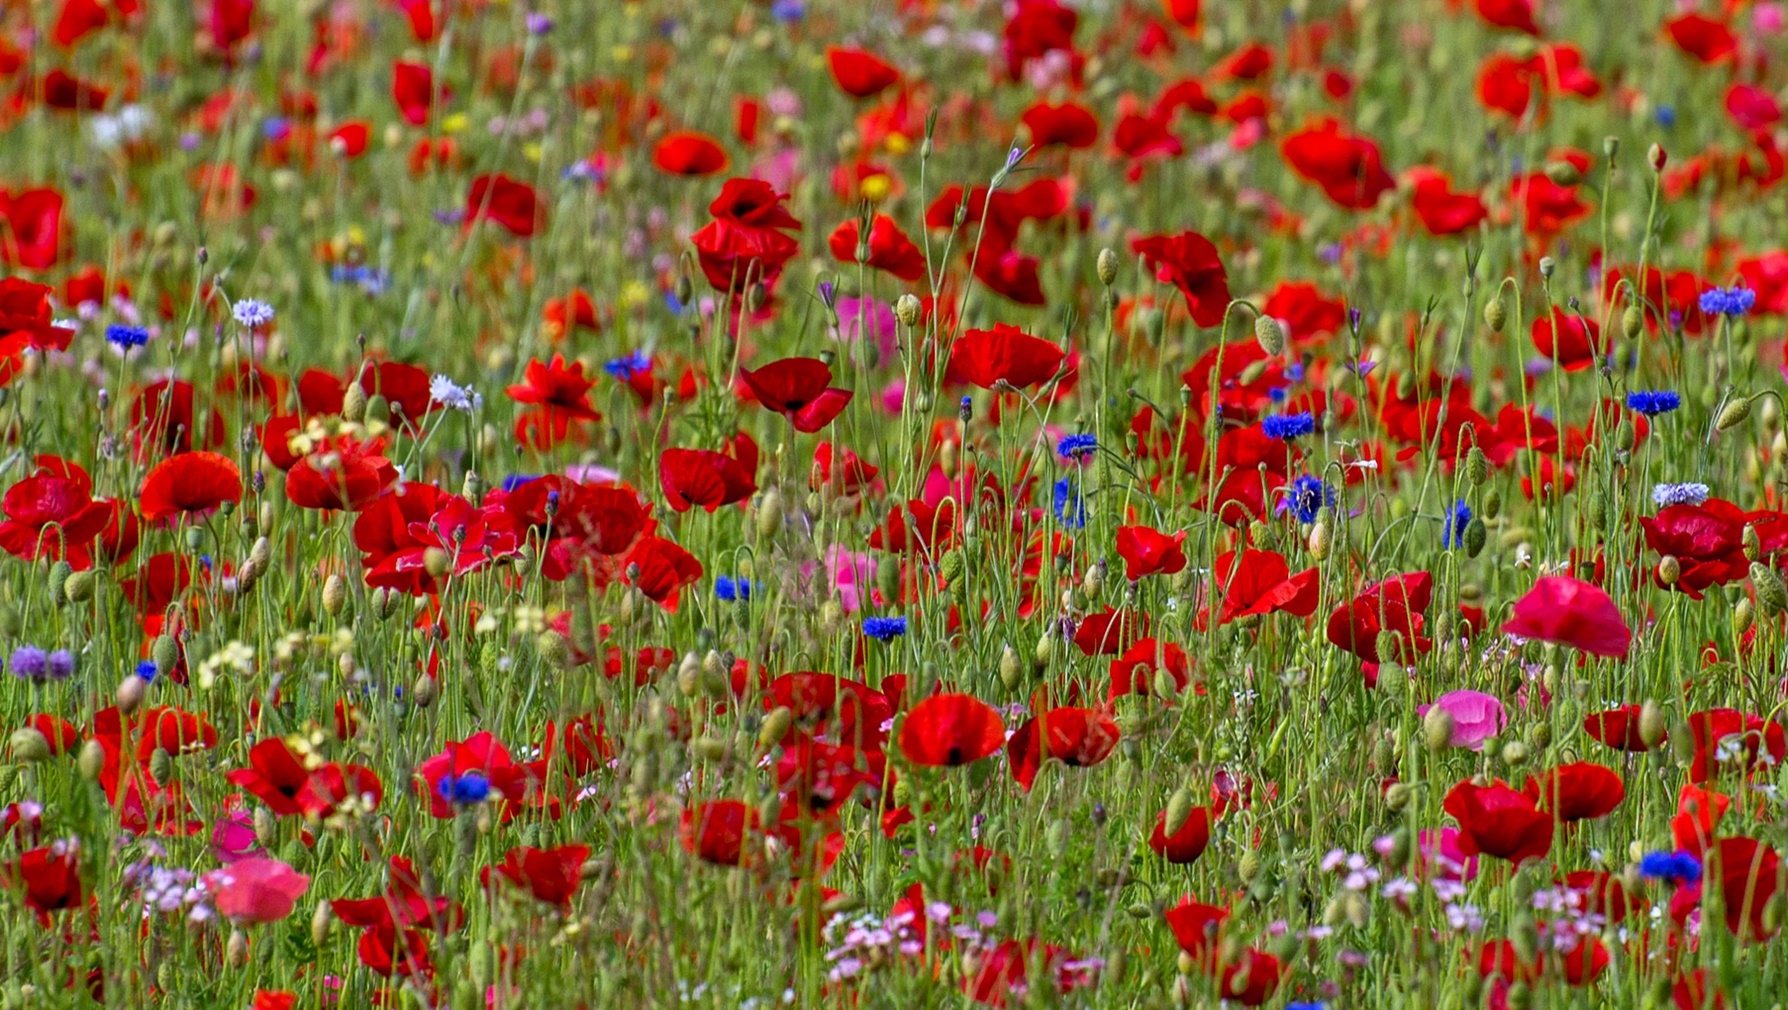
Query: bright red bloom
1006, 354
1188, 843
1498, 821
397, 532
1253, 978
1306, 314
1260, 582
948, 730
798, 389
164, 417
1065, 125
1077, 737
1726, 737
1198, 929
76, 20
1442, 210
1515, 14
1752, 108
1574, 342
192, 482
840, 469
1698, 814
50, 878
889, 248
559, 396
1750, 875
26, 319
585, 524
687, 152
1571, 612
341, 473
1189, 262
1109, 632
511, 203
748, 240
280, 779
1394, 605
1036, 28
550, 876
1147, 551
1578, 791
230, 22
53, 517
1183, 13
349, 140
716, 831
1547, 209
691, 477
1702, 37
1134, 671
413, 89
663, 569
1349, 168
1707, 540
860, 73
479, 754
68, 93
1617, 728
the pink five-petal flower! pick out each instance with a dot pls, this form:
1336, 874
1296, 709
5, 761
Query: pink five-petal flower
257, 890
1476, 716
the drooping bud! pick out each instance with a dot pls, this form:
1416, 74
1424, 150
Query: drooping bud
353, 403
161, 766
1474, 537
1477, 466
320, 922
436, 561
1770, 592
335, 595
384, 603
1514, 753
1011, 667
1632, 322
769, 515
1651, 723
554, 649
426, 690
1094, 582
1656, 157
79, 587
1734, 414
92, 761
58, 580
1437, 728
1743, 615
775, 727
1179, 810
130, 694
1269, 334
1107, 264
1495, 315
1319, 540
1564, 173
29, 746
236, 952
166, 653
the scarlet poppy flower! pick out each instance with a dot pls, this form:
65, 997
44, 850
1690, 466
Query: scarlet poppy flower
1515, 14
716, 831
550, 876
1134, 671
917, 526
1077, 737
819, 776
413, 89
889, 248
579, 523
1693, 991
1552, 481
1617, 728
277, 777
393, 922
691, 477
63, 91
1704, 38
1183, 13
1188, 843
1036, 28
687, 152
663, 569
1749, 875
1574, 342
1394, 605
192, 482
1147, 551
1751, 107
798, 389
59, 733
1189, 262
1498, 821
78, 19
230, 22
985, 358
1198, 929
1010, 274
441, 778
1577, 791
1250, 61
349, 139
559, 394
1110, 632
1698, 815
841, 470
824, 705
49, 877
1707, 540
1726, 737
1065, 125
1442, 210
748, 240
1253, 583
25, 314
53, 517
949, 730
1547, 209
163, 417
511, 203
1304, 311
1349, 169
341, 473
1571, 612
860, 73
1253, 978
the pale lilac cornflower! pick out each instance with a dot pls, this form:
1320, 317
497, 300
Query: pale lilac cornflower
1689, 493
252, 313
453, 396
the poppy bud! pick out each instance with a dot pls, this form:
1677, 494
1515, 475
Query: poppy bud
1094, 581
1055, 840
769, 515
1669, 570
1564, 173
1519, 997
1768, 584
1045, 649
1319, 540
58, 581
1734, 414
1179, 810
907, 309
436, 562
1752, 543
29, 746
384, 603
1772, 913
1437, 728
1514, 753
1011, 667
1398, 796
775, 727
1269, 334
1495, 315
166, 653
335, 595
130, 694
1477, 466
1524, 933
1682, 742
1492, 503
92, 760
426, 691
353, 403
831, 617
554, 649
685, 288
378, 409
1656, 158
1186, 964
1474, 537
1165, 687
320, 923
79, 586
237, 950
1743, 614
261, 554
707, 748
161, 766
1249, 866
1548, 267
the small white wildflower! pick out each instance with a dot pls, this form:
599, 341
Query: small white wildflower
452, 395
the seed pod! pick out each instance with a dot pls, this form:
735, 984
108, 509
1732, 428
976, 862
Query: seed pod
554, 649
775, 727
1770, 592
426, 691
335, 595
1179, 810
1011, 667
1733, 414
769, 515
1669, 570
1474, 537
1107, 265
1495, 315
1437, 728
1743, 614
1269, 334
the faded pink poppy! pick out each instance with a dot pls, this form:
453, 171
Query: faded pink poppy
1476, 716
852, 573
1438, 857
256, 890
233, 838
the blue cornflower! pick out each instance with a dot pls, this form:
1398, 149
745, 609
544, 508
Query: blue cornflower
1077, 446
1690, 493
966, 409
126, 337
1070, 505
62, 664
1651, 403
1728, 301
252, 313
1666, 116
1286, 427
788, 11
1306, 497
464, 790
515, 480
146, 670
28, 662
732, 590
1456, 524
884, 628
1672, 867
625, 368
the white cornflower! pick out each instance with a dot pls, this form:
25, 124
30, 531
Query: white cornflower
452, 395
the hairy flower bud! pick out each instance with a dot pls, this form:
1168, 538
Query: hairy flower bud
1477, 466
1734, 413
1107, 264
1269, 334
1656, 158
353, 403
907, 309
775, 726
769, 514
1437, 728
335, 595
426, 691
29, 746
92, 761
1632, 322
130, 694
1011, 667
1651, 723
1179, 810
554, 649
1319, 540
1770, 592
1496, 316
1669, 570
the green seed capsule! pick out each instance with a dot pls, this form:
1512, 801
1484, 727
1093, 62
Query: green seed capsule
1733, 414
1495, 315
1770, 592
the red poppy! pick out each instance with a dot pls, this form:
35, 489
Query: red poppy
986, 358
860, 73
1516, 14
798, 389
76, 20
1574, 342
1349, 168
1394, 605
1189, 262
1726, 737
687, 152
68, 93
1547, 209
550, 876
660, 569
341, 473
691, 477
59, 733
1253, 978
1305, 313
1707, 540
49, 877
1498, 821
1010, 274
1750, 876
716, 831
1571, 612
349, 140
480, 754
558, 395
1698, 814
1578, 791
1617, 728
26, 317
1148, 551
164, 417
949, 730
1188, 843
1751, 107
584, 523
281, 780
399, 531
51, 516
1109, 632
917, 526
1183, 13
1702, 37
1036, 28
1198, 929
1442, 210
748, 240
413, 89
511, 203
1134, 671
34, 227
1065, 125
889, 248
230, 22
1256, 583
192, 482
1694, 992
1077, 737
841, 470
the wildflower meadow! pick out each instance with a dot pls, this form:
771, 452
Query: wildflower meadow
896, 504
